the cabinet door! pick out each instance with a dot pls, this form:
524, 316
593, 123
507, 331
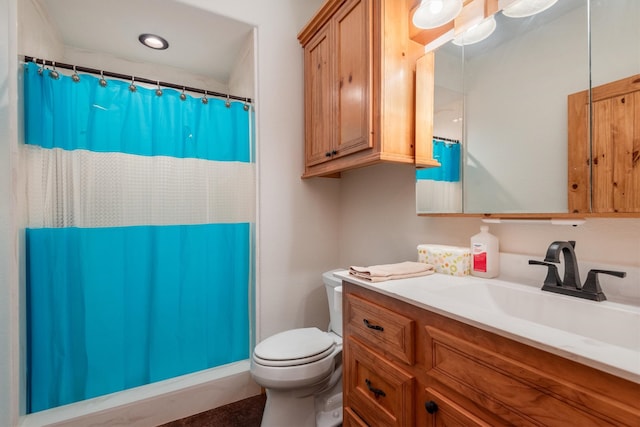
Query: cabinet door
378, 391
604, 176
319, 97
353, 74
616, 154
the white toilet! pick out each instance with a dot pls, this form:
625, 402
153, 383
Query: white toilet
301, 369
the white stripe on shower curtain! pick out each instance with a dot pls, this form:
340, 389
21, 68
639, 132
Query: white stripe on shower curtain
112, 189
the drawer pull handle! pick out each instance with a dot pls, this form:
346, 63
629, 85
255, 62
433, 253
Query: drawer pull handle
431, 407
372, 326
376, 391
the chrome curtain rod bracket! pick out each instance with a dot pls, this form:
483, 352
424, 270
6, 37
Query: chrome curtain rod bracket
132, 78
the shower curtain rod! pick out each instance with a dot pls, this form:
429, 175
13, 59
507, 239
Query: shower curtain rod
134, 78
439, 138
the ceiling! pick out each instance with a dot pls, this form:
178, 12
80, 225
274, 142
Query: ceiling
199, 41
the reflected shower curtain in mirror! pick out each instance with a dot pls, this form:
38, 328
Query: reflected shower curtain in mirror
141, 213
439, 190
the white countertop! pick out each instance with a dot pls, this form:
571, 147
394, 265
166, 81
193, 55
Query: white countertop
604, 335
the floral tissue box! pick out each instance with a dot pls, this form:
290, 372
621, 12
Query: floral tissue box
452, 260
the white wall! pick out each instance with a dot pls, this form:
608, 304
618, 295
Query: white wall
378, 224
242, 78
9, 262
37, 36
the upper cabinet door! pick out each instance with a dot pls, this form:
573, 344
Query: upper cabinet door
616, 152
353, 76
614, 158
360, 106
319, 95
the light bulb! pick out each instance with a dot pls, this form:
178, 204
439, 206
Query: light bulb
436, 13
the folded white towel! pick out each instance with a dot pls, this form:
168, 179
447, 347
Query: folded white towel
401, 270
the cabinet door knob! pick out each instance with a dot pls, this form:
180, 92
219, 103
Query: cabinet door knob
372, 326
431, 407
334, 152
327, 154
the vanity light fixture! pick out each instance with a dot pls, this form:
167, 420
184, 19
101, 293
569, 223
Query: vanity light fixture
477, 33
436, 13
524, 8
153, 41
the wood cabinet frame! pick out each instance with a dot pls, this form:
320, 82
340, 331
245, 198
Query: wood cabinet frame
385, 106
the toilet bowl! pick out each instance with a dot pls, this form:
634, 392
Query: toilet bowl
301, 370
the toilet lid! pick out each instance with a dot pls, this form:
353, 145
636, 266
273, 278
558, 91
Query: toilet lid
295, 344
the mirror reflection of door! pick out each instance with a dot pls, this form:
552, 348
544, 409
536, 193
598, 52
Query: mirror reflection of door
439, 189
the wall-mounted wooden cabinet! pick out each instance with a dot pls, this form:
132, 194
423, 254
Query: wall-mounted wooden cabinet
608, 171
406, 366
359, 72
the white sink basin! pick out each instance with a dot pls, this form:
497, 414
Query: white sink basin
607, 322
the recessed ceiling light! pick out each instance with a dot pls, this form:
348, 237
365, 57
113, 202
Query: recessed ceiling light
153, 41
524, 8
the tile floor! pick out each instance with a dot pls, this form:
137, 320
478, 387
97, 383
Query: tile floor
244, 413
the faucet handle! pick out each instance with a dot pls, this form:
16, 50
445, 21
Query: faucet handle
553, 278
592, 284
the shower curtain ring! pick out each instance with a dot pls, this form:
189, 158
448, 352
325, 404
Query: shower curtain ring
183, 97
53, 73
102, 81
204, 98
246, 106
75, 77
132, 86
158, 90
227, 103
40, 69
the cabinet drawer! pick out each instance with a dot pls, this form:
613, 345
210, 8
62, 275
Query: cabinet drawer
515, 392
384, 330
380, 393
448, 413
351, 419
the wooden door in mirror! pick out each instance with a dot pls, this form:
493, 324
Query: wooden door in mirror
612, 163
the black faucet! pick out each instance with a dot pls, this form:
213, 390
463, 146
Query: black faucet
571, 274
570, 284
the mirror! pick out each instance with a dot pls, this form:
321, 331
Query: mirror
439, 190
615, 40
513, 95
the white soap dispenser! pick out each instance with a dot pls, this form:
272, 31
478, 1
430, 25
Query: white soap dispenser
485, 254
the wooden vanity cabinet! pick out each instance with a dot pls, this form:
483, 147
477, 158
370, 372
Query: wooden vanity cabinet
359, 67
406, 366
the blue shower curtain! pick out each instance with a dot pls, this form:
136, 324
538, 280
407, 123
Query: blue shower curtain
439, 189
448, 155
139, 244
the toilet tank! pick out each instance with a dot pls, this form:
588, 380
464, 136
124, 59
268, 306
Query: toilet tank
333, 286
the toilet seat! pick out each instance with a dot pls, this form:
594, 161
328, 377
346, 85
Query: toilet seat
294, 347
